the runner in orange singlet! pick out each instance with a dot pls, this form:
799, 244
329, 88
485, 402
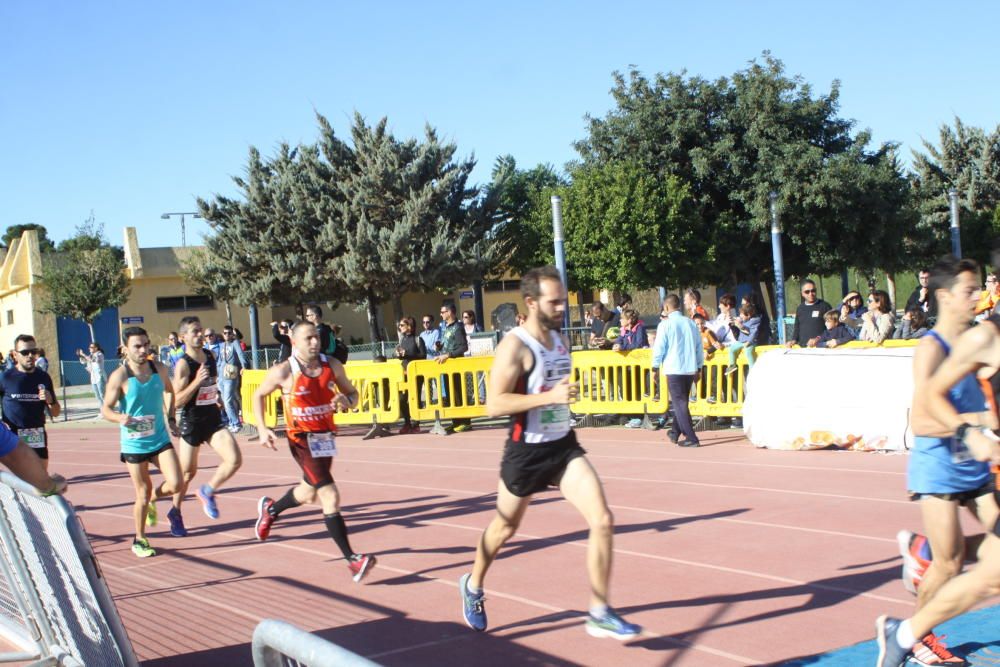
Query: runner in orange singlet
313, 387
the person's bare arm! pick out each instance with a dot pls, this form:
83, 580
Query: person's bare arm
112, 394
510, 361
347, 394
184, 387
25, 464
274, 379
974, 349
169, 400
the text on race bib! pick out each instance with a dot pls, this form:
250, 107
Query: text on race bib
321, 445
138, 427
34, 437
554, 418
207, 395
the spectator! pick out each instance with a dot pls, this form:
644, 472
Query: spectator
923, 297
520, 319
624, 301
94, 363
239, 339
281, 331
430, 336
913, 325
410, 348
836, 333
212, 342
632, 334
42, 363
722, 322
709, 341
677, 350
808, 316
172, 351
471, 327
328, 344
453, 344
231, 363
747, 328
10, 360
989, 298
878, 322
764, 335
692, 303
851, 310
602, 320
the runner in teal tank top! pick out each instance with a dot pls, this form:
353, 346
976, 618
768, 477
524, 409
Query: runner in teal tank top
139, 390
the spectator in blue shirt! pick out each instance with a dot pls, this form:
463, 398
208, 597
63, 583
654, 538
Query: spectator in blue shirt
431, 335
231, 363
677, 350
749, 334
835, 334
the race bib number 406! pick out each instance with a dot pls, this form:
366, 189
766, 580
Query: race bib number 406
34, 437
321, 445
138, 427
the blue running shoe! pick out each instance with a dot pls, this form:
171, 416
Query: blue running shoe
612, 625
207, 497
177, 528
890, 653
472, 605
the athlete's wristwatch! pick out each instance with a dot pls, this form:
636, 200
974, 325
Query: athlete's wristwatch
961, 431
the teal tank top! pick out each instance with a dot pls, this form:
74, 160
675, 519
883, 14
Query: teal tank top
147, 431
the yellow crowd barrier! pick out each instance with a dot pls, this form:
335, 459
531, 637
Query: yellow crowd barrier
379, 388
617, 383
455, 389
249, 382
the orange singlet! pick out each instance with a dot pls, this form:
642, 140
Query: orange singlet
311, 428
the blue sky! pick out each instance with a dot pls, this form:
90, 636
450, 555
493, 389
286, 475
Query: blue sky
131, 109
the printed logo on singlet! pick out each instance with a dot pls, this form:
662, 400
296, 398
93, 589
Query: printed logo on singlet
557, 369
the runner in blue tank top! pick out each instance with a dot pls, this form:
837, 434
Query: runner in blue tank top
530, 381
139, 389
953, 421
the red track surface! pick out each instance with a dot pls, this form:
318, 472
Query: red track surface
727, 555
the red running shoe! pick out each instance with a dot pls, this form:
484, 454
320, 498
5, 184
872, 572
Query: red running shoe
360, 565
931, 652
914, 566
264, 519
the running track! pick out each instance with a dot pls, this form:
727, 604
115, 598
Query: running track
727, 555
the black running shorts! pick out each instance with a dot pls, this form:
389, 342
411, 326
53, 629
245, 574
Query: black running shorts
527, 469
196, 432
315, 471
962, 497
148, 456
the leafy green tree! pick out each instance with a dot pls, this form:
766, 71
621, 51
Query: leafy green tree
627, 228
89, 235
84, 280
14, 232
735, 139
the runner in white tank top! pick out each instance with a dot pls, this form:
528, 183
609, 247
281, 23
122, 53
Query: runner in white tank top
530, 381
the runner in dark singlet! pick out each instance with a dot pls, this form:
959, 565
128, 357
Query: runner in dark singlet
197, 393
27, 392
313, 388
530, 382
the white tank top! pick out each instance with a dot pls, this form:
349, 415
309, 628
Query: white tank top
550, 422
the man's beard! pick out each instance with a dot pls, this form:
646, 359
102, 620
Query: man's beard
550, 323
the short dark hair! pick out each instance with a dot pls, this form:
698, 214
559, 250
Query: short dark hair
945, 272
918, 318
630, 313
624, 299
806, 281
315, 308
132, 331
531, 281
832, 315
728, 299
698, 316
172, 333
186, 323
673, 301
427, 316
882, 299
23, 338
450, 305
748, 309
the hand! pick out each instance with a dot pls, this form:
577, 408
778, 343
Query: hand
923, 294
273, 323
172, 426
267, 437
563, 393
982, 447
598, 341
441, 358
831, 343
124, 419
812, 342
907, 316
57, 487
616, 348
201, 375
342, 402
790, 344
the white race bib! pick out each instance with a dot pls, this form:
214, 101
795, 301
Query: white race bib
138, 427
35, 437
321, 445
554, 418
207, 395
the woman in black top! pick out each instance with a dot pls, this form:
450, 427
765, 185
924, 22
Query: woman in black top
410, 348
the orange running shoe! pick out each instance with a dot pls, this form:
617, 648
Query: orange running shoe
914, 566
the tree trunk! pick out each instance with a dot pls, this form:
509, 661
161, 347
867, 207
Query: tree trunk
90, 326
371, 306
397, 308
229, 314
890, 280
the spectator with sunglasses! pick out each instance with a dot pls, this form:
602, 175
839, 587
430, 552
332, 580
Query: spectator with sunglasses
809, 321
410, 348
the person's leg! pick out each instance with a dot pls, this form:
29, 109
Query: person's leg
680, 387
986, 510
187, 459
404, 409
734, 350
229, 401
225, 446
944, 533
510, 511
170, 468
750, 352
139, 473
582, 488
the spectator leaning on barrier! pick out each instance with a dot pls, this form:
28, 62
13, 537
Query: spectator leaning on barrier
677, 350
410, 348
808, 316
913, 325
632, 333
764, 331
749, 334
692, 303
877, 324
431, 335
836, 332
602, 320
721, 323
923, 297
851, 310
454, 344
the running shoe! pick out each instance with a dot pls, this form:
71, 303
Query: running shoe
461, 428
142, 549
931, 652
612, 625
207, 497
151, 513
914, 565
264, 518
890, 653
634, 423
731, 369
177, 528
472, 605
360, 565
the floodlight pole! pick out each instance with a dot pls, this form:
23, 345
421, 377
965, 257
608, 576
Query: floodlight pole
560, 252
956, 234
193, 214
779, 266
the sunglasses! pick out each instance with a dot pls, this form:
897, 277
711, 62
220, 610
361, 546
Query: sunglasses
28, 353
428, 322
808, 291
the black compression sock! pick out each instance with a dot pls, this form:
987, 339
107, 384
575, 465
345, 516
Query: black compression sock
338, 531
285, 502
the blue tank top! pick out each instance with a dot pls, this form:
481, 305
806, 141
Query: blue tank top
147, 431
943, 465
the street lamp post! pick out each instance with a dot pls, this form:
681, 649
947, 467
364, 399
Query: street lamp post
167, 216
560, 252
956, 236
779, 265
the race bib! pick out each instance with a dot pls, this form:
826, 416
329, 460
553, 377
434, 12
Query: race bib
321, 445
138, 427
207, 395
35, 437
554, 418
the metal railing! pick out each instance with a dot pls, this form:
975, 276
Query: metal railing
55, 605
278, 644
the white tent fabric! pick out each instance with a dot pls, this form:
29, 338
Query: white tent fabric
848, 398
